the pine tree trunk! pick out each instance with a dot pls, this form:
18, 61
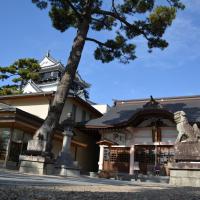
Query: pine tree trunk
45, 132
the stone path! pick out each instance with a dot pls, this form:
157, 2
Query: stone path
9, 177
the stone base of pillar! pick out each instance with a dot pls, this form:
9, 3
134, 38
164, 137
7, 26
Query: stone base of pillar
36, 165
65, 166
64, 170
185, 174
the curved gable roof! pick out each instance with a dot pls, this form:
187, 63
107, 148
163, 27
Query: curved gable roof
123, 111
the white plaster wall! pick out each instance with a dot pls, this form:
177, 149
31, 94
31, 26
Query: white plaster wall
79, 110
38, 106
144, 136
29, 89
102, 108
79, 114
141, 136
48, 88
66, 109
38, 110
169, 135
46, 62
115, 136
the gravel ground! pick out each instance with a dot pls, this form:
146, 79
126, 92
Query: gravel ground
105, 192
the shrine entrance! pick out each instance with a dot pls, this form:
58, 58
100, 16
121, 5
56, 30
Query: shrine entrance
145, 155
149, 156
117, 159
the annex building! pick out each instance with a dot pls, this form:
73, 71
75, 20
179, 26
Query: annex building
141, 131
21, 115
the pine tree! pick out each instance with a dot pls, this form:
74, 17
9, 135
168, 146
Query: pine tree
18, 73
127, 19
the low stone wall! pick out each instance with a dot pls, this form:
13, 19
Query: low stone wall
187, 151
185, 177
35, 165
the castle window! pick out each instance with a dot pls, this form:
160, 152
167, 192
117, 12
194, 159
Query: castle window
46, 76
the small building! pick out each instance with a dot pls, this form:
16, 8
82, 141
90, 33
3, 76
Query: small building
17, 127
21, 115
141, 131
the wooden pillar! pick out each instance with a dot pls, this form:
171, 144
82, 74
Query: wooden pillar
75, 153
101, 154
8, 147
156, 156
131, 167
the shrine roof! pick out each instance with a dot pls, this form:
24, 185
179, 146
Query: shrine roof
124, 110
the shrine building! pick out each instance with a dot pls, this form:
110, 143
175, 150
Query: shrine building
141, 131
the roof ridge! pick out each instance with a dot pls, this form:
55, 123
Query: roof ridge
157, 99
34, 85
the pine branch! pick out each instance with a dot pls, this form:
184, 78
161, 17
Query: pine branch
75, 10
112, 14
115, 10
170, 3
123, 20
100, 21
99, 42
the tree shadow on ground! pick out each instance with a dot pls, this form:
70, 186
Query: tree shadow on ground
115, 193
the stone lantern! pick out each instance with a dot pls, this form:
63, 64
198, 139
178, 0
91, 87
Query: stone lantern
64, 164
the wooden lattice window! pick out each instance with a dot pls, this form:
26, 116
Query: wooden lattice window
106, 154
145, 154
119, 155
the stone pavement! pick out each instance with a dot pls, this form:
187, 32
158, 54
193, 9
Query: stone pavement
10, 177
14, 185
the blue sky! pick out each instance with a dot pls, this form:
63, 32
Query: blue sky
27, 32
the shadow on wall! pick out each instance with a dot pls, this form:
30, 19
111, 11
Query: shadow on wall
88, 157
